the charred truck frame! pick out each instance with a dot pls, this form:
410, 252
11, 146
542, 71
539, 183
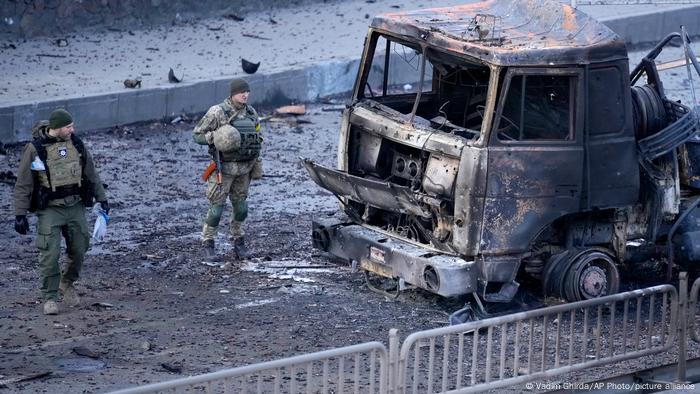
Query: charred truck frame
507, 138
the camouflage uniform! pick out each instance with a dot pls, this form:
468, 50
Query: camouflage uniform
68, 173
235, 173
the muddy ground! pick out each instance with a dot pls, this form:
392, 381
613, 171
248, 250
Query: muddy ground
149, 300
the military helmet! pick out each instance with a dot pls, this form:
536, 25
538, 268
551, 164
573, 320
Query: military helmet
227, 138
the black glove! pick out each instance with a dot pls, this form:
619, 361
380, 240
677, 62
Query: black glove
21, 224
105, 206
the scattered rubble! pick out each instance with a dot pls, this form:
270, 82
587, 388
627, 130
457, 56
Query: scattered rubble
172, 78
132, 83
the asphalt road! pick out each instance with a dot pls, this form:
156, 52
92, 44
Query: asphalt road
148, 299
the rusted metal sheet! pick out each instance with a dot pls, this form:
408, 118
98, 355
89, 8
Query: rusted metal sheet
470, 189
510, 32
526, 190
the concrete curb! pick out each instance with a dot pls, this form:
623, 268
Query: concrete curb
301, 85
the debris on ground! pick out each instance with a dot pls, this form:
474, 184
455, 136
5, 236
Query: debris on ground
172, 78
102, 305
333, 108
291, 110
8, 177
24, 378
132, 83
249, 67
85, 352
174, 368
234, 16
133, 296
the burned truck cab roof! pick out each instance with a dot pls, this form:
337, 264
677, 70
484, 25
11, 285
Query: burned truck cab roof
510, 32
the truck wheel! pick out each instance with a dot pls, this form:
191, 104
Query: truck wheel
581, 274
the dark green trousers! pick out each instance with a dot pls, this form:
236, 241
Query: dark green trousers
55, 222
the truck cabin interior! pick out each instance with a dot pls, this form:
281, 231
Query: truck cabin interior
452, 93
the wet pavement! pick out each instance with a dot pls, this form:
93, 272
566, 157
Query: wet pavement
151, 307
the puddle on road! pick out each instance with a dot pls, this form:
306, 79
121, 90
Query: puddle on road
79, 364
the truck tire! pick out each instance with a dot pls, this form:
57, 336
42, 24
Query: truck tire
581, 274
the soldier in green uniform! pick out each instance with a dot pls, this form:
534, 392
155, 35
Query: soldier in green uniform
232, 131
57, 179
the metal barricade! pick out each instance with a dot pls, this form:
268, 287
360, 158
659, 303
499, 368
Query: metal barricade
537, 344
353, 369
576, 3
692, 304
480, 355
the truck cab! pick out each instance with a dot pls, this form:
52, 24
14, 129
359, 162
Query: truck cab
485, 141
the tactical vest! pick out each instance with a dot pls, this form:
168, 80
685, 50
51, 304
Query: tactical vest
64, 174
250, 137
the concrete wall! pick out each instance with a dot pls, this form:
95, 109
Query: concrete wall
107, 110
31, 18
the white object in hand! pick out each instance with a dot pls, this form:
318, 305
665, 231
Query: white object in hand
38, 165
100, 223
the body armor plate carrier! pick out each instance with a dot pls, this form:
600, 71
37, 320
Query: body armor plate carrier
64, 175
250, 137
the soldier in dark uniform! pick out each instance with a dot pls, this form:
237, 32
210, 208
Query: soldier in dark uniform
232, 131
57, 179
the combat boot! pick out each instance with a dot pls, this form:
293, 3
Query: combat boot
209, 248
240, 249
70, 295
50, 307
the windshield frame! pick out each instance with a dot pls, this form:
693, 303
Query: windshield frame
371, 47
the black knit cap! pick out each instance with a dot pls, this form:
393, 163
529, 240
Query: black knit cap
59, 118
239, 85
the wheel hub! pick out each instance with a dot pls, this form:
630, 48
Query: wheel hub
593, 282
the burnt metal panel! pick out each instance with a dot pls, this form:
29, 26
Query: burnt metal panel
613, 173
510, 32
394, 258
383, 195
612, 169
470, 190
394, 126
368, 156
343, 139
440, 174
528, 187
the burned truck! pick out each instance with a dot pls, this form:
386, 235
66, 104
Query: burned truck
502, 139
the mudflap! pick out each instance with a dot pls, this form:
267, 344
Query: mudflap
439, 273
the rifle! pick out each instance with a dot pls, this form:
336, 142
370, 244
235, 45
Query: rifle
213, 166
207, 173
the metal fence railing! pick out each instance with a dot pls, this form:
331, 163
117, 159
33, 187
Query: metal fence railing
351, 369
692, 305
542, 343
480, 355
576, 3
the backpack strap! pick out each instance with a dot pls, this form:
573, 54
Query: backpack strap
78, 143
